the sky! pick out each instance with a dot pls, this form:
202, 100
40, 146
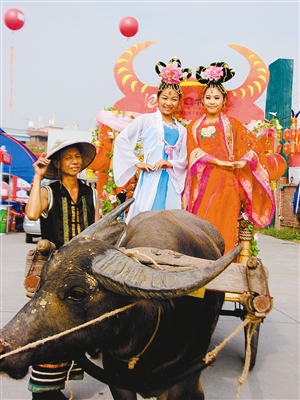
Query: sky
65, 53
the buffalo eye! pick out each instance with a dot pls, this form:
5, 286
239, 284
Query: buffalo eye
76, 294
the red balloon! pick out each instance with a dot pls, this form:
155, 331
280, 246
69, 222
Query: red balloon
14, 19
128, 26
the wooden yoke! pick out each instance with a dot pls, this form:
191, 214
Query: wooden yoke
248, 282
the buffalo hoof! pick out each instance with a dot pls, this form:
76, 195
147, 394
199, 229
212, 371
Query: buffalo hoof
52, 395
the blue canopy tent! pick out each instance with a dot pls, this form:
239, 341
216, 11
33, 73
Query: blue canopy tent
22, 157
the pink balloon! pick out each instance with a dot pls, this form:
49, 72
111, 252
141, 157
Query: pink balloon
128, 26
14, 19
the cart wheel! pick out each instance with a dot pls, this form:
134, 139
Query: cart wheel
253, 344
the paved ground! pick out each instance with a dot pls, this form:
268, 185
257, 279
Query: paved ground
276, 373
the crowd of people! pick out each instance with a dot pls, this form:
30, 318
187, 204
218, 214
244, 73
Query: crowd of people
213, 169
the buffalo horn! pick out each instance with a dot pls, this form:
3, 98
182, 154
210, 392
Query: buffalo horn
98, 228
121, 274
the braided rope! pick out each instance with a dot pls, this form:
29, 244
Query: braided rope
210, 356
250, 331
68, 380
244, 233
135, 255
64, 333
132, 362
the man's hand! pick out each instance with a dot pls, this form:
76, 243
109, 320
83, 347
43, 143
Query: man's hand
41, 165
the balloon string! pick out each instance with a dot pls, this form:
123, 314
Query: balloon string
11, 76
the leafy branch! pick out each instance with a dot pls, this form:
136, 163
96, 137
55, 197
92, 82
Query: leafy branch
254, 250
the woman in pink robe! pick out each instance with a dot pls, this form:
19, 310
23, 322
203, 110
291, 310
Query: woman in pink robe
226, 164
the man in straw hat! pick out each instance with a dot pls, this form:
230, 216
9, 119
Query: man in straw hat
63, 163
66, 207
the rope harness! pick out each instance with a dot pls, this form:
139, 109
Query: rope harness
251, 322
64, 333
133, 360
68, 380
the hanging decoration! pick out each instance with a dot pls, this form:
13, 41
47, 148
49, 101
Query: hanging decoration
14, 19
128, 26
269, 134
291, 138
276, 165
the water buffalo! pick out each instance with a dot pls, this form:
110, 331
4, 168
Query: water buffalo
156, 346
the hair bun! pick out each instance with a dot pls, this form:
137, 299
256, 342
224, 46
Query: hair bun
172, 73
215, 73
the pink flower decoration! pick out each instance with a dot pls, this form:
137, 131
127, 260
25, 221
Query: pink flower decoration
213, 73
113, 199
104, 194
171, 74
271, 131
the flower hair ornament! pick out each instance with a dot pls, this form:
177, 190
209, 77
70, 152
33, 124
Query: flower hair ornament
215, 74
171, 75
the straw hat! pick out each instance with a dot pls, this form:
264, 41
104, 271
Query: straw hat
87, 150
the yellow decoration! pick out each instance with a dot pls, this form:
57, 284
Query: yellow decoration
90, 174
198, 293
125, 78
